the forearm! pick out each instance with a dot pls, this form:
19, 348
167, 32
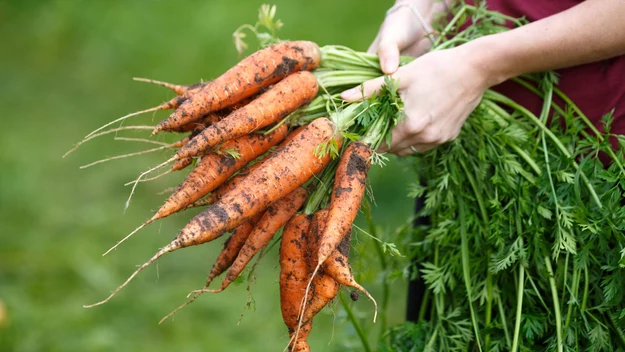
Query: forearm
591, 31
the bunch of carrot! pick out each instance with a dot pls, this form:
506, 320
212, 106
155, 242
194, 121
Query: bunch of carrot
274, 148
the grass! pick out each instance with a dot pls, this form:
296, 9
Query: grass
66, 69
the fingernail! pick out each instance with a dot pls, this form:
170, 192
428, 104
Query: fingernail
351, 94
389, 65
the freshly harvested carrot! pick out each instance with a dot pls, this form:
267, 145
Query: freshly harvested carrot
206, 121
337, 267
287, 169
232, 247
349, 188
226, 257
181, 164
213, 170
259, 70
283, 98
177, 88
276, 216
294, 276
324, 287
209, 119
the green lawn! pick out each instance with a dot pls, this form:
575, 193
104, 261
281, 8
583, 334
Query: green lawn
65, 69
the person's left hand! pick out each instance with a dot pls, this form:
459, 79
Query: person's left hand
439, 90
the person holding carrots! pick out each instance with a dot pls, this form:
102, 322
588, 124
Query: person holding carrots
583, 40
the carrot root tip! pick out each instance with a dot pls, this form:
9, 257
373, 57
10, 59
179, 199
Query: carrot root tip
204, 291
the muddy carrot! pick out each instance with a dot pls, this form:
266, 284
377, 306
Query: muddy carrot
349, 188
254, 73
271, 106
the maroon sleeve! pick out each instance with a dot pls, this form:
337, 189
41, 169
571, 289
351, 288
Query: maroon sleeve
596, 88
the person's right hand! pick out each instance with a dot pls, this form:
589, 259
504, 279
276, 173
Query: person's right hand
401, 33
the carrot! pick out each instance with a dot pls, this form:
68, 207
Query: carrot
181, 164
274, 218
177, 88
232, 247
271, 106
213, 170
226, 257
209, 119
349, 188
324, 287
259, 70
206, 121
287, 168
294, 276
337, 267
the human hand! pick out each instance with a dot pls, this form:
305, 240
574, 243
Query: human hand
402, 34
439, 90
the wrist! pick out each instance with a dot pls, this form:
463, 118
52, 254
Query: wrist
490, 57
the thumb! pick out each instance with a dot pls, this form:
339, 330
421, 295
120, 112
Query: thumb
364, 90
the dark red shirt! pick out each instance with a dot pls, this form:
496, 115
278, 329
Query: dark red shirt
596, 87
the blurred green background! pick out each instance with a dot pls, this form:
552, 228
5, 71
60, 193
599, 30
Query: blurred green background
65, 69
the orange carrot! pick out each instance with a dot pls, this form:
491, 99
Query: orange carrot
294, 276
271, 106
181, 164
206, 121
349, 188
213, 170
324, 287
274, 218
337, 267
248, 77
287, 169
232, 247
